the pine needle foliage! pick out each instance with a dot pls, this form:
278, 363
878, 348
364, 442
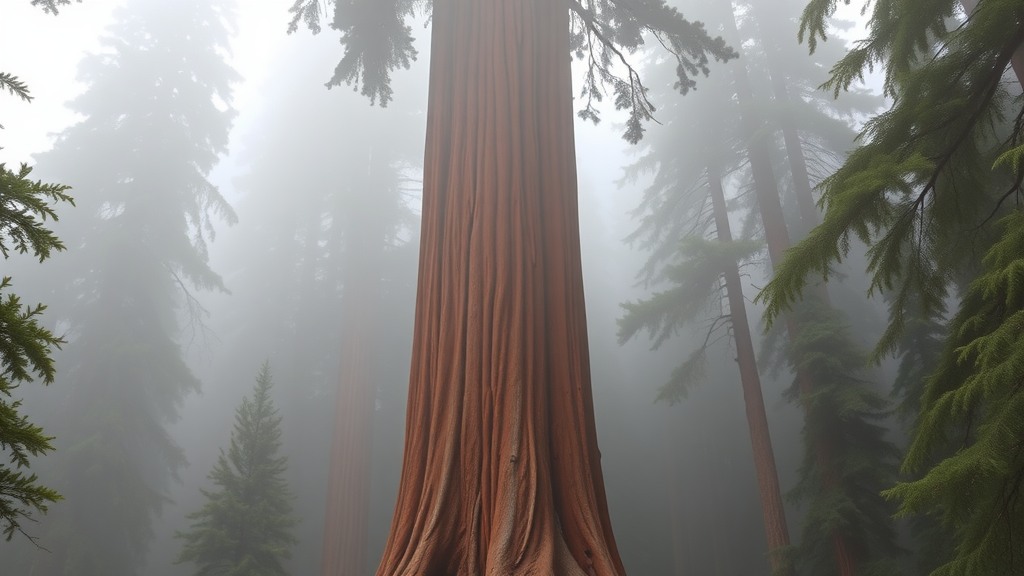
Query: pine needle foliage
51, 6
604, 32
695, 290
932, 175
24, 207
155, 119
921, 188
245, 527
975, 401
25, 345
844, 415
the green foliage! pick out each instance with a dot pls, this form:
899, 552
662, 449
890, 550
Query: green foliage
245, 526
920, 190
155, 119
25, 345
377, 41
24, 208
16, 87
24, 352
974, 400
376, 38
604, 31
695, 289
847, 460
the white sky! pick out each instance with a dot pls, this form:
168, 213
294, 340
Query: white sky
43, 51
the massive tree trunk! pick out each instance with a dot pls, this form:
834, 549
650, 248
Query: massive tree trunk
760, 437
501, 471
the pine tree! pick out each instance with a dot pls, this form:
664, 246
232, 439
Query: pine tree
501, 472
295, 263
156, 118
924, 193
847, 453
245, 527
25, 345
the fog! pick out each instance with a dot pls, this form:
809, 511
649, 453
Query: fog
242, 230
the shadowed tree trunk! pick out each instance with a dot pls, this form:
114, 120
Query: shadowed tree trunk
347, 520
680, 539
760, 438
794, 150
501, 472
777, 238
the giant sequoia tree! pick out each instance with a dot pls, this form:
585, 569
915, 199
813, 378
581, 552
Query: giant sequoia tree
501, 471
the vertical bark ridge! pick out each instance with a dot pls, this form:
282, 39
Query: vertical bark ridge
501, 474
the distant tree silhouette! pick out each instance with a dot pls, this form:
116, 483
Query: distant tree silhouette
156, 118
245, 527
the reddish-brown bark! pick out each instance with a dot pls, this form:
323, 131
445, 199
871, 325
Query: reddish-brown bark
777, 238
347, 515
501, 472
760, 438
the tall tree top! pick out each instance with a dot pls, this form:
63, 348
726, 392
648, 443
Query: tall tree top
377, 40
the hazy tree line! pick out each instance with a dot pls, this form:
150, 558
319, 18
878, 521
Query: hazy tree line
845, 435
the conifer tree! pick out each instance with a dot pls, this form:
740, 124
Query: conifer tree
156, 118
501, 472
245, 527
25, 345
847, 453
297, 264
924, 192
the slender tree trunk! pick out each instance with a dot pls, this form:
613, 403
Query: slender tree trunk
760, 438
777, 237
501, 472
347, 521
794, 150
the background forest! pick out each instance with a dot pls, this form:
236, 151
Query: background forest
804, 288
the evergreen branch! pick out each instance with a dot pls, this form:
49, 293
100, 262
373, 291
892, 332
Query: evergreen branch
24, 208
14, 86
50, 6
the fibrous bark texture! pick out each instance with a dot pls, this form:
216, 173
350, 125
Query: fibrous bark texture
501, 471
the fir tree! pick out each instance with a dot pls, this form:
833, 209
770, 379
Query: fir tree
245, 527
25, 345
974, 401
923, 192
156, 117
